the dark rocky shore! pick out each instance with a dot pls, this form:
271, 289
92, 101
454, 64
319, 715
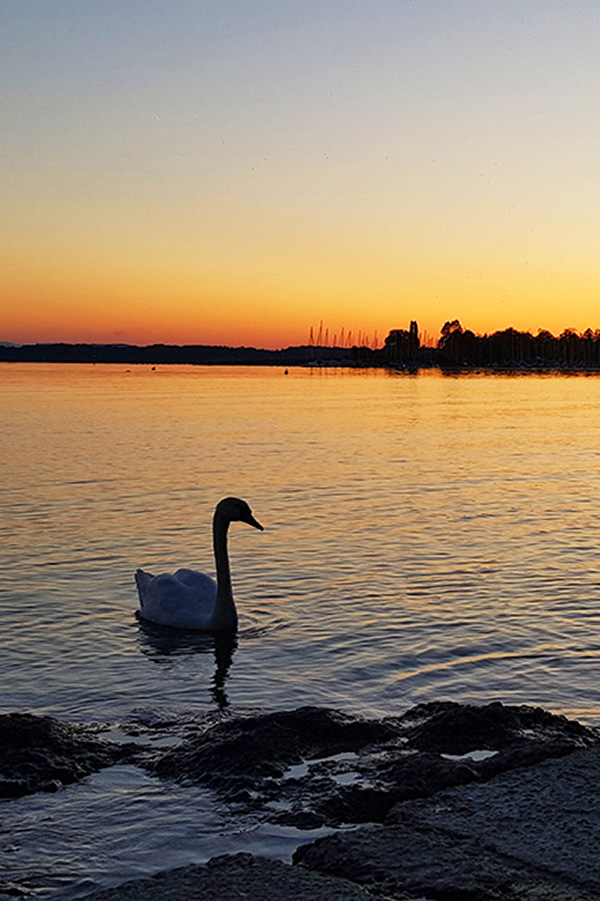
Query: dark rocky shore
37, 753
447, 802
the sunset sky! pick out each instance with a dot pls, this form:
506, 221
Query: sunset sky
236, 171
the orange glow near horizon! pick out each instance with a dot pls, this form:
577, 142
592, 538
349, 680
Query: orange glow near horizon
47, 303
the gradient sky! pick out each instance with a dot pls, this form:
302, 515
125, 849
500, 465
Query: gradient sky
236, 171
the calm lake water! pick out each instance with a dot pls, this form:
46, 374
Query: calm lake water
426, 537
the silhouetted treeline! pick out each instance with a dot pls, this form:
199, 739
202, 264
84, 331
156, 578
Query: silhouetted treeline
460, 348
510, 349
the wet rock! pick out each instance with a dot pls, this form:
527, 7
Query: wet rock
388, 782
312, 767
243, 753
451, 728
545, 816
528, 834
403, 861
237, 876
37, 753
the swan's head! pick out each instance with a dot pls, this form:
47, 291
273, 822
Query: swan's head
236, 510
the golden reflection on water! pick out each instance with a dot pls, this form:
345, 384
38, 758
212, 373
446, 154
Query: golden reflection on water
426, 535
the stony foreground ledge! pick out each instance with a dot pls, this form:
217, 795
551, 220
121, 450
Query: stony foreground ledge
528, 835
37, 753
238, 876
443, 821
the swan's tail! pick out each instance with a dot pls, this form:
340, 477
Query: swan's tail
142, 580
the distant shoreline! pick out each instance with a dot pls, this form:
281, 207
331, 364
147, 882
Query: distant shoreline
299, 356
457, 350
154, 354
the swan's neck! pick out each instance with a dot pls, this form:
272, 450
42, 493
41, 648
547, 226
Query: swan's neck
225, 612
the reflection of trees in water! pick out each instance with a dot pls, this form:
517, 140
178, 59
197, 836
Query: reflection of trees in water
158, 642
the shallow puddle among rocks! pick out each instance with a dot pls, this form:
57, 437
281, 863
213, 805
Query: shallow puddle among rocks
121, 824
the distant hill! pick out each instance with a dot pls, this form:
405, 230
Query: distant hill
198, 354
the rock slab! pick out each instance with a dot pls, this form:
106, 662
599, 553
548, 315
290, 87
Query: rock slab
37, 753
355, 770
237, 876
528, 834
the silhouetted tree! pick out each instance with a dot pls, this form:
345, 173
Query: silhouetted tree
401, 347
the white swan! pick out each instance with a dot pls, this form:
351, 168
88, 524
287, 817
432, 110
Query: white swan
192, 600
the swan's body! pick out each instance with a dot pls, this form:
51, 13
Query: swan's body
192, 600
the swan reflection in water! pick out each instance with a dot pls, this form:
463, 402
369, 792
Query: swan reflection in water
158, 642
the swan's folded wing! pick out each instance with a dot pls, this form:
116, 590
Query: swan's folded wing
168, 600
164, 589
197, 580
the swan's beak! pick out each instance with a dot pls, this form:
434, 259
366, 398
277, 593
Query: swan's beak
254, 522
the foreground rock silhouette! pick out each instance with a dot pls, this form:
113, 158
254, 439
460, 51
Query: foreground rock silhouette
463, 803
234, 876
347, 770
37, 753
528, 834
